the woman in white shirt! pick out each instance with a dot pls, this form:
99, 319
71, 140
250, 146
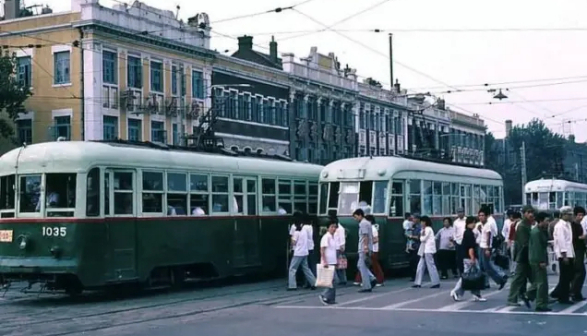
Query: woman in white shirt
328, 259
299, 241
426, 253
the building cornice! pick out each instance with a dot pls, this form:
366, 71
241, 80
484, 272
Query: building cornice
372, 100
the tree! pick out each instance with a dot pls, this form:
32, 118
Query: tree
545, 152
490, 152
12, 93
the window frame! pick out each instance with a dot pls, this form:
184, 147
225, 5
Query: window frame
48, 210
263, 195
177, 192
57, 64
27, 214
200, 192
14, 195
162, 192
213, 193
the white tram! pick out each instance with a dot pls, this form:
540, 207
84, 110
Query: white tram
552, 194
392, 186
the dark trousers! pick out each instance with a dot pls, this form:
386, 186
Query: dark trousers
518, 284
446, 260
414, 259
565, 276
312, 265
579, 276
539, 289
460, 255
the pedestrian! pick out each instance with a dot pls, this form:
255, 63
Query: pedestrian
469, 245
328, 248
309, 230
340, 236
408, 221
459, 226
538, 257
375, 265
446, 249
426, 252
555, 218
488, 233
516, 219
565, 253
299, 241
521, 245
579, 247
364, 250
413, 244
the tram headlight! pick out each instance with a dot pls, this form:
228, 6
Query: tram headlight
55, 251
22, 242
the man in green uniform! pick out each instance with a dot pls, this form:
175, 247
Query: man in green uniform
523, 271
538, 257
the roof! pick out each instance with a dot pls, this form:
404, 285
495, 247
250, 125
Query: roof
385, 167
548, 185
79, 156
258, 57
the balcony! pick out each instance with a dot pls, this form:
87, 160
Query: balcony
322, 76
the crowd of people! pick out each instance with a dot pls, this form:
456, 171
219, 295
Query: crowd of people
521, 251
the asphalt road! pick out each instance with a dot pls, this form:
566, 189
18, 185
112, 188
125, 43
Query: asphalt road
265, 308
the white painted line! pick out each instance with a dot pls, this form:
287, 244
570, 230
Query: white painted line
463, 304
494, 309
574, 307
507, 309
400, 304
425, 310
371, 297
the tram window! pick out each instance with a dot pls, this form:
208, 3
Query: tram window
238, 190
313, 190
251, 204
285, 206
333, 195
323, 197
268, 195
199, 183
220, 194
415, 196
176, 182
427, 198
437, 198
301, 206
349, 198
379, 197
7, 192
199, 205
312, 207
559, 199
365, 196
30, 193
153, 181
300, 188
446, 202
285, 188
396, 207
93, 193
123, 203
476, 199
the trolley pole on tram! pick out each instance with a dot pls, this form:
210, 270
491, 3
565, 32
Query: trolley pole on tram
523, 167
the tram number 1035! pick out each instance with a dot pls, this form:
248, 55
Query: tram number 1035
54, 231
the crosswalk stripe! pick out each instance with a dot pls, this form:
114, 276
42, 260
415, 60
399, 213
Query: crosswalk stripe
574, 307
405, 303
506, 309
371, 297
460, 305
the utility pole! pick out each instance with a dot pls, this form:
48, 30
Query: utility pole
523, 167
391, 61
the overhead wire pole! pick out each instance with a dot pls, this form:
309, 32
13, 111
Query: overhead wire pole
523, 168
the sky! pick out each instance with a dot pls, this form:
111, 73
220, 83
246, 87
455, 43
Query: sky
531, 49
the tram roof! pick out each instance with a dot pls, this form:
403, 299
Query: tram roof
79, 156
547, 185
385, 167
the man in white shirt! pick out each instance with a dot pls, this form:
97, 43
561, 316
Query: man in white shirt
299, 241
459, 228
488, 232
563, 248
364, 249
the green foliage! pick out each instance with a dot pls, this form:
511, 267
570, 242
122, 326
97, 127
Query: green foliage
12, 93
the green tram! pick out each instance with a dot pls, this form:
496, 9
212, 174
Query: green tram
86, 215
393, 186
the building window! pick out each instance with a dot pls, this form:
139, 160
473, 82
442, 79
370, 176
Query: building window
256, 108
231, 105
110, 97
109, 67
24, 130
158, 131
24, 71
175, 134
174, 80
134, 70
156, 76
268, 112
62, 127
61, 67
110, 127
135, 130
198, 85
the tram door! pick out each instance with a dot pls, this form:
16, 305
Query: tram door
120, 212
246, 242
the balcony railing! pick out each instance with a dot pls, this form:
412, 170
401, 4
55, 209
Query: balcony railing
323, 76
467, 119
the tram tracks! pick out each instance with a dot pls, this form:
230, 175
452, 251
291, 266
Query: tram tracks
108, 318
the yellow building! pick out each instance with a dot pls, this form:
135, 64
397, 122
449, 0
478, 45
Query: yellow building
128, 72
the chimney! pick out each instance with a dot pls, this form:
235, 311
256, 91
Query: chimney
245, 43
397, 86
508, 127
273, 50
11, 9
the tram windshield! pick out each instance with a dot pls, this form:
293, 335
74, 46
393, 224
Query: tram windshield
353, 196
545, 200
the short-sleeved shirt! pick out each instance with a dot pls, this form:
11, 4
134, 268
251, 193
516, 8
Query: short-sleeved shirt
365, 229
301, 244
329, 242
491, 228
375, 235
